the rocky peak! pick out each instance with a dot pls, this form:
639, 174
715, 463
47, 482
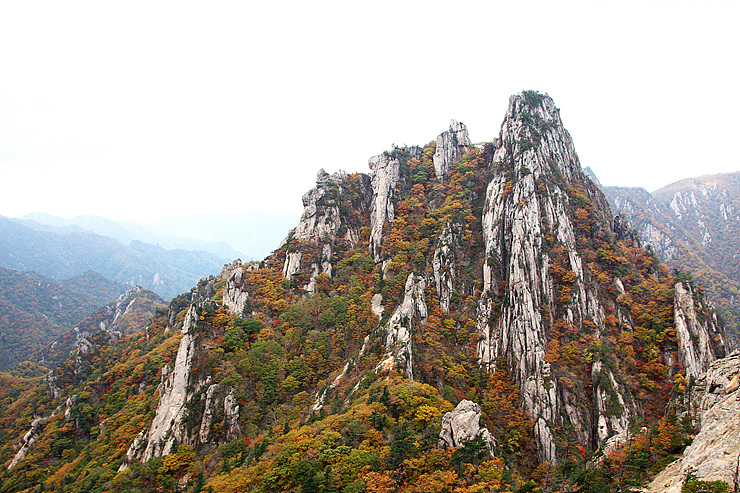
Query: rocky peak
533, 133
385, 171
234, 297
326, 221
452, 144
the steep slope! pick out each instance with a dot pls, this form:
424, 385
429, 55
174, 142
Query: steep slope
714, 454
60, 256
462, 317
128, 314
694, 226
34, 310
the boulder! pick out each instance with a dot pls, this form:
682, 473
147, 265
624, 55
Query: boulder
462, 425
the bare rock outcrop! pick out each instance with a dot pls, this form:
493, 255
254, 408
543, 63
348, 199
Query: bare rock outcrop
462, 424
714, 454
179, 391
695, 351
234, 298
167, 426
399, 326
443, 266
513, 216
613, 414
37, 426
385, 171
27, 441
324, 222
528, 199
452, 144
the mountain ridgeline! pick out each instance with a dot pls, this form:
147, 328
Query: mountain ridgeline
464, 316
694, 226
64, 253
35, 310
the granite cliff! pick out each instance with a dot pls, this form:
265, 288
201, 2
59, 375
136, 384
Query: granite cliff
463, 315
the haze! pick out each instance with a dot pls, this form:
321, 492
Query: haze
137, 110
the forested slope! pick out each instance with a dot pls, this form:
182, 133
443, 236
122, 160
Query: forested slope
462, 318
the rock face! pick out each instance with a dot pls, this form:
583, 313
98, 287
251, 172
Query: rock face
167, 427
398, 327
516, 216
695, 351
714, 453
607, 393
443, 265
27, 441
451, 146
328, 218
178, 392
462, 424
234, 298
384, 176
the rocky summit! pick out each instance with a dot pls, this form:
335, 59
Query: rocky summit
463, 317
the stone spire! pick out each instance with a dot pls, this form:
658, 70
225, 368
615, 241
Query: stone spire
452, 144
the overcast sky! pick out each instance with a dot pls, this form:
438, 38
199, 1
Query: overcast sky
135, 110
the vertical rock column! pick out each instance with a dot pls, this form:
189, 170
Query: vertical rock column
167, 427
694, 349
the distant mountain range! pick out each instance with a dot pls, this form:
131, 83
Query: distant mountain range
63, 253
694, 226
35, 310
249, 236
467, 318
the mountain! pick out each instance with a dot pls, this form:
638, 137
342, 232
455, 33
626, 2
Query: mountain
694, 225
462, 318
64, 255
127, 315
126, 232
714, 453
34, 310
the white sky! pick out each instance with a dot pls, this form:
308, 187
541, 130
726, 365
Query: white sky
135, 110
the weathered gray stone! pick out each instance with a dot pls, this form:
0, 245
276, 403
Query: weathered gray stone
443, 266
452, 144
322, 223
231, 416
606, 390
695, 352
516, 213
234, 298
208, 411
398, 328
167, 426
384, 176
714, 454
462, 424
